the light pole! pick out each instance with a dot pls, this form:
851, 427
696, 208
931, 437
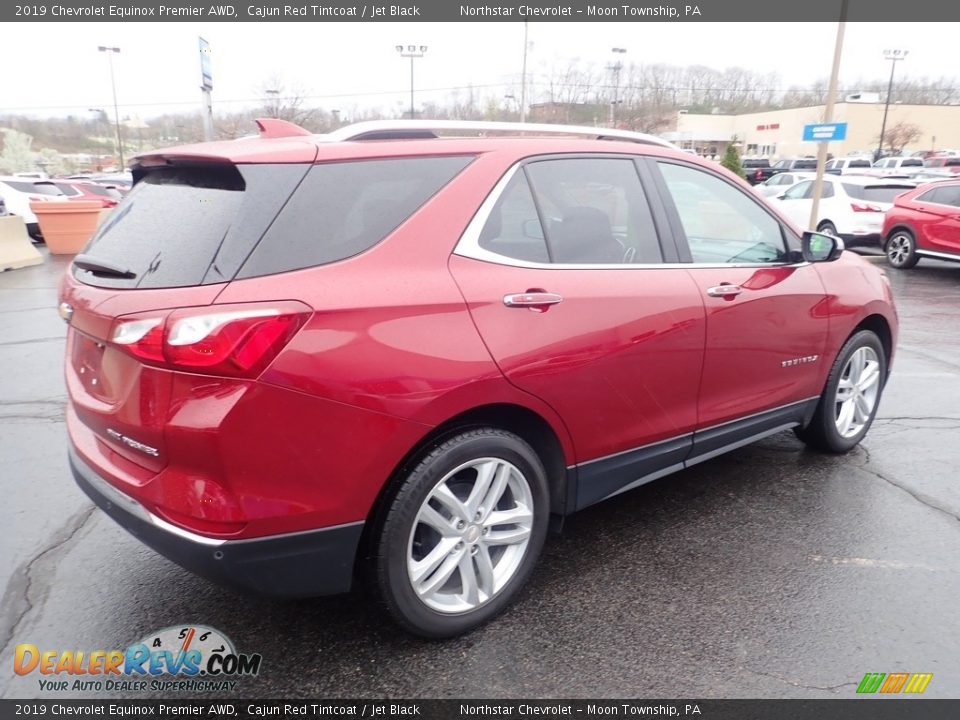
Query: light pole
893, 56
413, 52
273, 103
111, 51
616, 67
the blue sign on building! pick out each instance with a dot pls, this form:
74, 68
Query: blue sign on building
824, 132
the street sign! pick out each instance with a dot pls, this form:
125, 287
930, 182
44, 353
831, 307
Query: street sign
206, 65
824, 132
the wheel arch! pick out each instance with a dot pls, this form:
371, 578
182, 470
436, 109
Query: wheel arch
532, 427
900, 225
879, 326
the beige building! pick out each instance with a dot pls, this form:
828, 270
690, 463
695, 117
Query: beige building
779, 133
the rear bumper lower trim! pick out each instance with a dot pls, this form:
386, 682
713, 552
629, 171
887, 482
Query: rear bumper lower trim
302, 564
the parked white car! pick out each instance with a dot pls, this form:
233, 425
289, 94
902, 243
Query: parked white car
19, 192
852, 206
778, 184
844, 165
897, 165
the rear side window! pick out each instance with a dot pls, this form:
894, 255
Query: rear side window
594, 211
949, 195
875, 193
342, 209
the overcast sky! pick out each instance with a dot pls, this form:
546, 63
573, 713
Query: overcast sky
55, 69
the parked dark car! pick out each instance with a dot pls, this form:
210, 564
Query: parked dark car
804, 163
757, 170
298, 360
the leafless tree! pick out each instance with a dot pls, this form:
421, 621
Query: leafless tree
899, 135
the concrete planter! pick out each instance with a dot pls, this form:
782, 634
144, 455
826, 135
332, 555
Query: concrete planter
16, 250
66, 226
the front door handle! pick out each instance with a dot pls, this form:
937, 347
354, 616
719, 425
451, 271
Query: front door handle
533, 299
724, 290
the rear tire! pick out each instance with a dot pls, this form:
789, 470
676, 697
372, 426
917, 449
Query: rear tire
851, 397
462, 534
901, 249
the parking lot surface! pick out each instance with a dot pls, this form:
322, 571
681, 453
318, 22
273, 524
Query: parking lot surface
769, 572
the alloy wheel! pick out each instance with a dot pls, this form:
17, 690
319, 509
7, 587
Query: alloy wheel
898, 249
470, 535
857, 392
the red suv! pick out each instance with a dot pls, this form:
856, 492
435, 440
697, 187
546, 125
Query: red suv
298, 360
924, 223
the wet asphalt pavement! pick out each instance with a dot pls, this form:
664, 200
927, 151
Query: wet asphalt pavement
769, 572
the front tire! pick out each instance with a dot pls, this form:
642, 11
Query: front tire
827, 227
463, 533
901, 250
851, 397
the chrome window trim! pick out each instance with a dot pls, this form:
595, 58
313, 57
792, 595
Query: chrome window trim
469, 243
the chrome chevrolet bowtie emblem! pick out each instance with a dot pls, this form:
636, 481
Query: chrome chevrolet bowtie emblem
66, 312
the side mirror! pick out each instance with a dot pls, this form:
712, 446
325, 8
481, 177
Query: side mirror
782, 196
818, 247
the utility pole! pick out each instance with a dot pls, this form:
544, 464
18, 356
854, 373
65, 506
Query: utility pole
523, 75
828, 114
111, 51
616, 67
206, 86
413, 52
893, 56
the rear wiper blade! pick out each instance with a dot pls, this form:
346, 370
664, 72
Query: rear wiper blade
102, 267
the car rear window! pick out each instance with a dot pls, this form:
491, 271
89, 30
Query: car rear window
99, 190
197, 225
341, 209
36, 188
875, 193
68, 190
858, 163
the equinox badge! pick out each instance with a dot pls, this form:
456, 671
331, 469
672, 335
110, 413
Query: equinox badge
135, 444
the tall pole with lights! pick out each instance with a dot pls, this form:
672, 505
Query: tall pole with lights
616, 67
111, 51
893, 56
413, 52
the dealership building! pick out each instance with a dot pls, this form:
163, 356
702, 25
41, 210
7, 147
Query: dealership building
779, 133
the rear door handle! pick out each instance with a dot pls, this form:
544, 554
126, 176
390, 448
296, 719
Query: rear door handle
532, 299
724, 290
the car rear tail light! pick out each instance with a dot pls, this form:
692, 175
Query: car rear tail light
758, 174
235, 340
865, 207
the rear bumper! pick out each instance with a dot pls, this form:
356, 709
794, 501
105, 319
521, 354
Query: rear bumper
302, 564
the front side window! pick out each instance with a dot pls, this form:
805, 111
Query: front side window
722, 223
